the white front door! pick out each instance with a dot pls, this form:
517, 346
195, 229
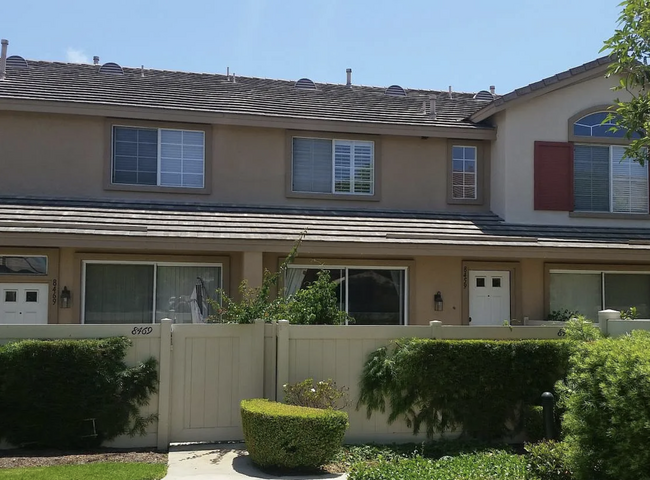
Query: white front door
489, 297
23, 303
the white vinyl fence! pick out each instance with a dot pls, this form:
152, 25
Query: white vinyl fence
206, 370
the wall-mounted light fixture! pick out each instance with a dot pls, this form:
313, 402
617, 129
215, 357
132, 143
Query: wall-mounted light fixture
437, 302
65, 298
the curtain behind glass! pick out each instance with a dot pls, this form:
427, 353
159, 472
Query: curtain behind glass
119, 293
575, 291
178, 294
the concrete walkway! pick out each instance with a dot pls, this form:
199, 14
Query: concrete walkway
223, 461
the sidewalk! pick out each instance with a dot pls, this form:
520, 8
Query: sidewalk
224, 461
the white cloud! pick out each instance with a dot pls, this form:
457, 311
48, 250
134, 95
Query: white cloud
74, 55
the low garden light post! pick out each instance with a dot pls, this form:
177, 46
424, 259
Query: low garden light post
548, 404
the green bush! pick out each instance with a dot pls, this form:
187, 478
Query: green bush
320, 395
476, 385
582, 330
286, 436
494, 465
534, 423
72, 393
548, 460
606, 398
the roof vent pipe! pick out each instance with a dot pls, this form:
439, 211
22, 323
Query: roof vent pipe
95, 60
450, 95
3, 59
228, 73
493, 89
348, 82
234, 79
432, 105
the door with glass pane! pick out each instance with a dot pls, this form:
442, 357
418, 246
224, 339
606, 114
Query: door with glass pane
23, 303
489, 297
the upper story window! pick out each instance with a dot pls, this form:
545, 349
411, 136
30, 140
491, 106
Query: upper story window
332, 166
463, 180
158, 157
604, 180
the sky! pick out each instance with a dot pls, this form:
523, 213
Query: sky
431, 44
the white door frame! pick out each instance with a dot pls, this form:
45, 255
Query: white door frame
30, 302
515, 292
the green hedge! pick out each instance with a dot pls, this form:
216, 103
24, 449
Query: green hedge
548, 460
50, 391
476, 385
607, 408
494, 465
287, 436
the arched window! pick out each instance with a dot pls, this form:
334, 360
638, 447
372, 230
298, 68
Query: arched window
604, 180
598, 124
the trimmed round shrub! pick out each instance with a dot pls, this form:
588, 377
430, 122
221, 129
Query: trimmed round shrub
287, 436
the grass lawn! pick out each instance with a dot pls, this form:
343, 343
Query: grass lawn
89, 471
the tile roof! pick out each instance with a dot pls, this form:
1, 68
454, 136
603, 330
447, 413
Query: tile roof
213, 93
547, 82
112, 219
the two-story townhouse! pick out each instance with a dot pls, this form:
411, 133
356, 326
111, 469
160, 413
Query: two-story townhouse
129, 194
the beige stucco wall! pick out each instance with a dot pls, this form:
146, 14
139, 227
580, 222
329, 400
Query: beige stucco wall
544, 118
64, 155
427, 274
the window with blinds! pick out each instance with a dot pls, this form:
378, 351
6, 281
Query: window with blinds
333, 166
606, 181
158, 156
463, 178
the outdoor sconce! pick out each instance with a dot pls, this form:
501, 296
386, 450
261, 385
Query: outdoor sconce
65, 297
437, 302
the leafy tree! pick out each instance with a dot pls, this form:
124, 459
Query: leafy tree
630, 50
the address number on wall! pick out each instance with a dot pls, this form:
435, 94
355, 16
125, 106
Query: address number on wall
141, 330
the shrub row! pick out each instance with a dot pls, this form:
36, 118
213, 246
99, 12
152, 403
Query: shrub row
476, 466
72, 393
478, 386
288, 436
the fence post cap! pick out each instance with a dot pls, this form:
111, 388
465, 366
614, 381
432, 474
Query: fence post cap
257, 321
283, 322
166, 320
435, 323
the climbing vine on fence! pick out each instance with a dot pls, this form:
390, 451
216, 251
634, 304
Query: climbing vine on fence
478, 386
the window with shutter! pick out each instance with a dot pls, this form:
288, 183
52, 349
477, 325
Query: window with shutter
158, 157
332, 166
605, 180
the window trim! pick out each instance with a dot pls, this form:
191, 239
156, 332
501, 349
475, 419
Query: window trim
353, 266
611, 211
128, 123
593, 140
155, 265
289, 193
482, 172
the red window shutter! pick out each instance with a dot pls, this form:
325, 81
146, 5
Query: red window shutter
554, 176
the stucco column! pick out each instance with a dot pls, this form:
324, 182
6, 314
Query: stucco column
67, 279
253, 268
604, 316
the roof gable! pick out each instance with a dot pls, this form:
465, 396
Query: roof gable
563, 79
